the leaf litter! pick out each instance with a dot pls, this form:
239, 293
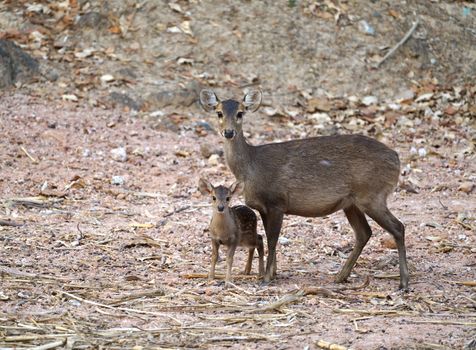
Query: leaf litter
89, 263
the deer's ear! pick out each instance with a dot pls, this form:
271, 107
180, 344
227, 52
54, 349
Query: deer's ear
208, 100
205, 187
237, 188
252, 100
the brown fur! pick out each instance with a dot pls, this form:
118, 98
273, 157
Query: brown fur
313, 177
232, 227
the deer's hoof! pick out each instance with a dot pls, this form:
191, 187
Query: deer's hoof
340, 279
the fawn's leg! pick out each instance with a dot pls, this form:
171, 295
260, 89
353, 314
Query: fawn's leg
251, 252
229, 262
215, 246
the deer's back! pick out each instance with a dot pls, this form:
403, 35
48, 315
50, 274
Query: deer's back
317, 176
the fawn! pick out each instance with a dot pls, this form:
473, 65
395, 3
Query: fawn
232, 227
311, 177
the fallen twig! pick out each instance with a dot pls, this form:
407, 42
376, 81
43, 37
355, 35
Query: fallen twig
375, 312
447, 322
51, 345
400, 43
217, 276
464, 283
28, 155
330, 346
120, 308
177, 211
10, 223
14, 272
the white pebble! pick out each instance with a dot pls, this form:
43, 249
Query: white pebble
118, 180
119, 154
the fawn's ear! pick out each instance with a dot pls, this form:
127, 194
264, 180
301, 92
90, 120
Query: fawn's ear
208, 100
252, 100
205, 187
237, 188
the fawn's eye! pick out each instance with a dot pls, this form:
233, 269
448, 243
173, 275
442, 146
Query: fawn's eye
227, 199
220, 115
239, 115
214, 198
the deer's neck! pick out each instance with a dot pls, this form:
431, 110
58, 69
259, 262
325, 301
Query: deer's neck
238, 155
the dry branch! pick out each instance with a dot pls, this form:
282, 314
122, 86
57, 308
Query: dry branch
329, 346
375, 312
447, 322
51, 345
400, 43
9, 223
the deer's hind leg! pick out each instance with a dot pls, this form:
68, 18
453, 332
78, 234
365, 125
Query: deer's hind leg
362, 233
380, 213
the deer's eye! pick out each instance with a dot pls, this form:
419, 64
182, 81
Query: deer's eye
214, 198
239, 115
227, 199
220, 115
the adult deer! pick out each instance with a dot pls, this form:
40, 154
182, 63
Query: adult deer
311, 177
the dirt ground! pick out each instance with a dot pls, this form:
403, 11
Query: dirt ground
103, 240
112, 266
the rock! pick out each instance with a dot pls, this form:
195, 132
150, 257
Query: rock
319, 104
366, 28
16, 65
184, 97
125, 100
119, 154
107, 78
422, 152
92, 20
213, 160
118, 180
369, 100
405, 95
284, 241
466, 187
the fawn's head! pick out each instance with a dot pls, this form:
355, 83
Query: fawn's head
221, 195
230, 112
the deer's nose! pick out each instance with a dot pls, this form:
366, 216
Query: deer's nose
229, 134
220, 208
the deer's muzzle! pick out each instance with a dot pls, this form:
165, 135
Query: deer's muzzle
229, 134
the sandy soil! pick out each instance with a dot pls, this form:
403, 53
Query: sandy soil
99, 265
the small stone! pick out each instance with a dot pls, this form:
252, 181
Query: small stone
70, 97
119, 154
213, 159
118, 180
366, 28
422, 152
466, 187
107, 78
405, 95
369, 100
284, 241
